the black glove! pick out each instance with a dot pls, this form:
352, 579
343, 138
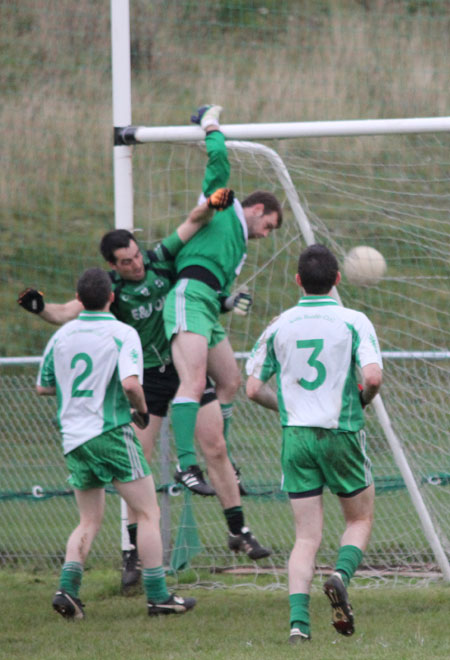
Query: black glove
239, 302
363, 403
221, 199
140, 419
32, 300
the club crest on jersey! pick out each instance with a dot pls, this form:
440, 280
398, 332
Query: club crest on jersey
158, 283
144, 291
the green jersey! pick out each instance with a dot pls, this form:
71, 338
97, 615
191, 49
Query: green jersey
220, 246
140, 304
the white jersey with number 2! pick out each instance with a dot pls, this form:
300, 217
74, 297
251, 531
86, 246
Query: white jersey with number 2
314, 349
86, 360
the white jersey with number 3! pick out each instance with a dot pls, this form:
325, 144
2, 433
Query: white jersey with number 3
86, 360
314, 349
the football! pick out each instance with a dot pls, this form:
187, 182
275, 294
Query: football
364, 266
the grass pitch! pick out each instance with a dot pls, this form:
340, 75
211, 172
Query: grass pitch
397, 623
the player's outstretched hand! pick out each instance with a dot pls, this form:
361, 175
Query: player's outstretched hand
140, 419
221, 199
240, 302
207, 115
32, 300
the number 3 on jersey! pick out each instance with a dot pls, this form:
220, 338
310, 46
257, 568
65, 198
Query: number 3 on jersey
317, 346
84, 357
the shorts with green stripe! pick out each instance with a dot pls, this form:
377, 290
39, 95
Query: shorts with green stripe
312, 458
193, 306
114, 455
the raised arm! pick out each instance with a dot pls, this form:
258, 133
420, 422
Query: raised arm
217, 172
200, 215
57, 313
61, 313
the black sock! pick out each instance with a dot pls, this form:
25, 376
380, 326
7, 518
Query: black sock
235, 519
132, 533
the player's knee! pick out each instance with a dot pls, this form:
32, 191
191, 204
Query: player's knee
196, 386
214, 447
227, 387
149, 516
90, 527
209, 433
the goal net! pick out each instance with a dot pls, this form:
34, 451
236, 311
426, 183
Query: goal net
390, 193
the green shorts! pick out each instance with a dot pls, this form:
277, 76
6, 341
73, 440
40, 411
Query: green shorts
192, 306
312, 458
115, 455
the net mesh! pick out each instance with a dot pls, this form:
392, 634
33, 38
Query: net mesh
389, 193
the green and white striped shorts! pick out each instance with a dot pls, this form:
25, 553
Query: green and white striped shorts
114, 455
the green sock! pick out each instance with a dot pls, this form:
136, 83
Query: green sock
155, 586
70, 578
184, 416
132, 533
227, 413
349, 558
299, 604
235, 519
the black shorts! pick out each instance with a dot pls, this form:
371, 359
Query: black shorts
160, 386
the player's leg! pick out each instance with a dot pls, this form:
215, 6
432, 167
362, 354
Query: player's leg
223, 369
358, 514
352, 482
91, 506
148, 436
160, 386
189, 352
303, 481
140, 496
209, 434
190, 313
308, 518
131, 566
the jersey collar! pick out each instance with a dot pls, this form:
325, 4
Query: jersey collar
316, 301
88, 315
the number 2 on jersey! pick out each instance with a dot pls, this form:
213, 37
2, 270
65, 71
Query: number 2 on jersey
317, 346
84, 357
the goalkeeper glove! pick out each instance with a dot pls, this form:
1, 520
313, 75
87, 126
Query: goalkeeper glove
207, 115
363, 403
141, 419
240, 302
31, 300
221, 199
